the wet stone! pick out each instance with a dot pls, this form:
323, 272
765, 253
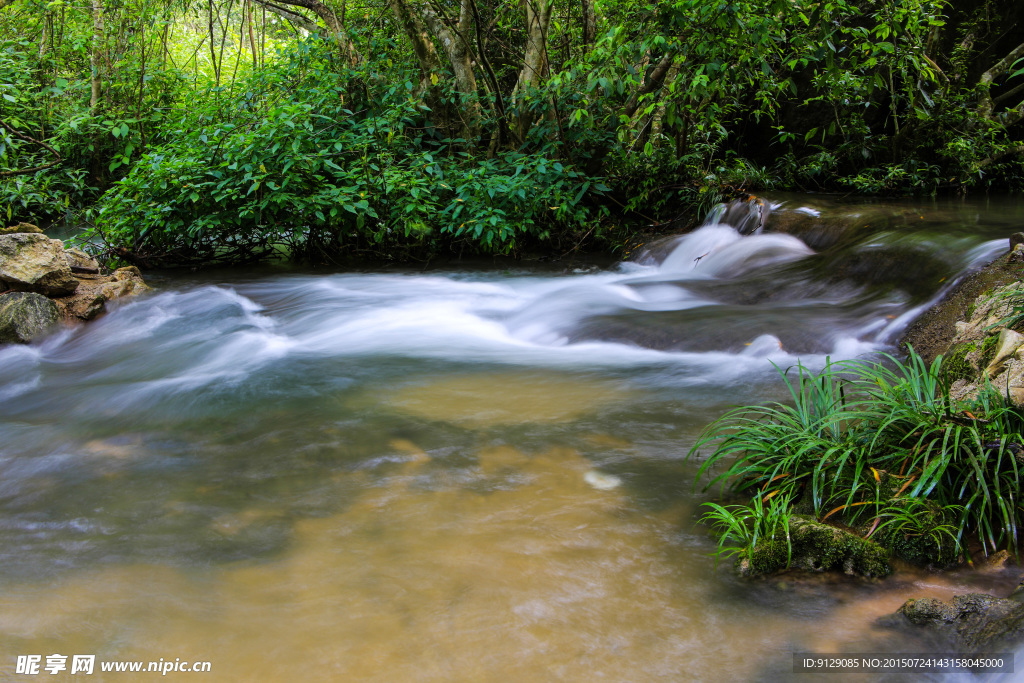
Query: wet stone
25, 316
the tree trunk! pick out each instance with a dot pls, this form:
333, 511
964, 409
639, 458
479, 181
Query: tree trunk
653, 80
213, 46
986, 105
589, 23
422, 45
335, 27
252, 38
455, 42
535, 57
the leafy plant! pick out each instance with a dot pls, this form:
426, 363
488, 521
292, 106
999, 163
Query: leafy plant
860, 434
919, 530
742, 529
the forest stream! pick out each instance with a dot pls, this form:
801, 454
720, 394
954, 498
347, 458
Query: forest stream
459, 474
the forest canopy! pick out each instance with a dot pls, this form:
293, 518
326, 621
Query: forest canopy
190, 132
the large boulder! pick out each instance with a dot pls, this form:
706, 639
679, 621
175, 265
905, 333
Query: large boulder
25, 316
31, 262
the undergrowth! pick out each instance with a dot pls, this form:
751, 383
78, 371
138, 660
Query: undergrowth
880, 448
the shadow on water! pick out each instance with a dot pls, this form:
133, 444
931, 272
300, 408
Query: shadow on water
462, 475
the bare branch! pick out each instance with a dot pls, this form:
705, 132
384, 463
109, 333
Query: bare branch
294, 17
1009, 94
18, 134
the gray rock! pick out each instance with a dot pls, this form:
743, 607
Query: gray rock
32, 262
972, 623
25, 316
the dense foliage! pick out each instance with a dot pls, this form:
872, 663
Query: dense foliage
324, 158
877, 447
405, 128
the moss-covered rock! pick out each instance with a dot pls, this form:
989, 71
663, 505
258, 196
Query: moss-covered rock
21, 228
818, 547
955, 364
922, 550
988, 349
25, 316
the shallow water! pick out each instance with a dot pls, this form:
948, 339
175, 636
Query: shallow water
452, 475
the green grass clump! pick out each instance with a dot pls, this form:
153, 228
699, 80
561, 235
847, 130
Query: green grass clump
919, 531
881, 447
755, 531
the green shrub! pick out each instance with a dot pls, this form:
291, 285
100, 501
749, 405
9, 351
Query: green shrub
860, 435
325, 160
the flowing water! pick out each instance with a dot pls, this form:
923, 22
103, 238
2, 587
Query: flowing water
463, 475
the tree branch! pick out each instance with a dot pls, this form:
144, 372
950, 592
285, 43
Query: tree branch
1008, 94
986, 105
652, 82
42, 144
297, 19
1017, 149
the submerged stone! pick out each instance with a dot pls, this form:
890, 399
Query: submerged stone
969, 623
25, 316
601, 481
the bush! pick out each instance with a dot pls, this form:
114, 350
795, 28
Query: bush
324, 160
881, 447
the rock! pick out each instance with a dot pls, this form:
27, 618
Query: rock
20, 228
1007, 345
972, 623
1018, 592
34, 263
818, 547
96, 290
25, 316
995, 563
936, 331
1016, 239
80, 262
127, 282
